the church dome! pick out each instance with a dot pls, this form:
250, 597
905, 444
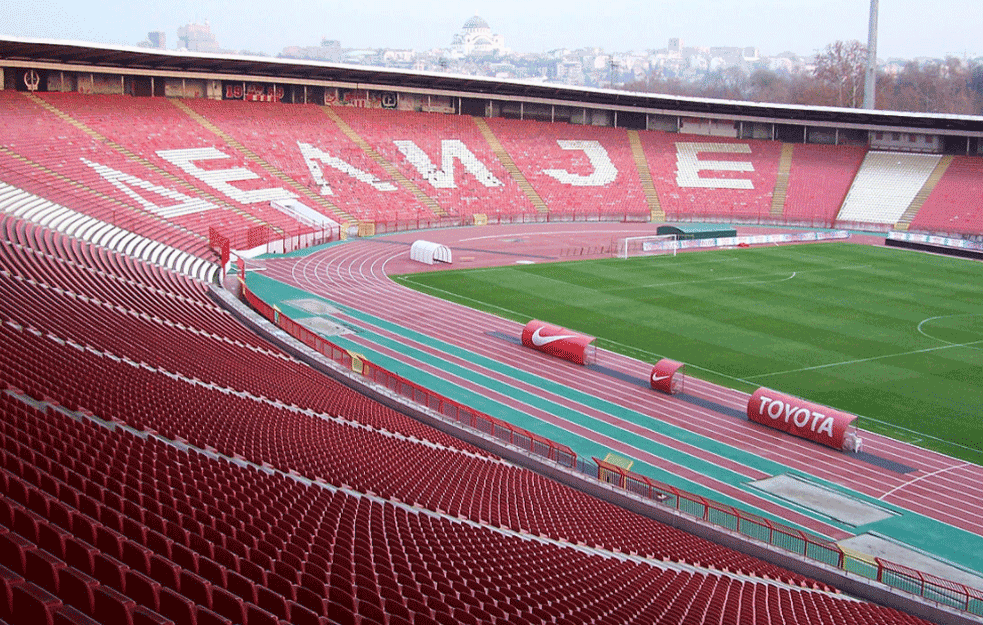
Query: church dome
476, 23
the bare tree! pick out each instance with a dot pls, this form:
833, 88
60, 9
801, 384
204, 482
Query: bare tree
935, 87
843, 65
951, 85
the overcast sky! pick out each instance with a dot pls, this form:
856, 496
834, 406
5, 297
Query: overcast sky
907, 29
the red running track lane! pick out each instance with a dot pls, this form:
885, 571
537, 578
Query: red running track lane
942, 488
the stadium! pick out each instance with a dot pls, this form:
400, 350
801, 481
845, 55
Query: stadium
231, 393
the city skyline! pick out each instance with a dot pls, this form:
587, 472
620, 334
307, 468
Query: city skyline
941, 29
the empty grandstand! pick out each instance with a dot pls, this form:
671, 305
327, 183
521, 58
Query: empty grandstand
164, 462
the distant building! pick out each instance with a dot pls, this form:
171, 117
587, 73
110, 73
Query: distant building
157, 39
329, 51
675, 46
197, 38
476, 38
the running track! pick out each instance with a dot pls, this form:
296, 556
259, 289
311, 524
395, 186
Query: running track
355, 274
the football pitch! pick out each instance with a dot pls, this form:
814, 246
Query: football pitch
893, 336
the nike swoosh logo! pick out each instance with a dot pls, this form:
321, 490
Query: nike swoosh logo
659, 378
539, 340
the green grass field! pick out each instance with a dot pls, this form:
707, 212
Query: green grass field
893, 336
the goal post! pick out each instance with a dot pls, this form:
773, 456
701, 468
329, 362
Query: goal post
649, 245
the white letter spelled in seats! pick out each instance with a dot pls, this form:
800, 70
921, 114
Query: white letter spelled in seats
689, 166
450, 151
129, 184
220, 179
314, 156
604, 170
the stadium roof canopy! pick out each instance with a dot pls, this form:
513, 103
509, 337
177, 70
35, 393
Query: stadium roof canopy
79, 56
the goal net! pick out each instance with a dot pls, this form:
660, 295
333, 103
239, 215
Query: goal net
650, 245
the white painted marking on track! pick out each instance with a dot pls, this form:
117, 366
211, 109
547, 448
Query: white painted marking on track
922, 477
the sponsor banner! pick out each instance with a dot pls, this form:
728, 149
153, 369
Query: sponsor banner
667, 376
821, 424
253, 92
361, 98
757, 239
914, 237
558, 342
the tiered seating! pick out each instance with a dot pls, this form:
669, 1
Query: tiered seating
132, 393
885, 186
54, 170
274, 133
149, 126
577, 170
819, 180
200, 494
128, 528
461, 194
742, 192
557, 162
955, 205
91, 308
340, 454
27, 206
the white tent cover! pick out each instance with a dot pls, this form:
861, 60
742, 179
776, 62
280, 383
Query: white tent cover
428, 252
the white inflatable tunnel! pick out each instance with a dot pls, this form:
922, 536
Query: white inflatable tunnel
429, 253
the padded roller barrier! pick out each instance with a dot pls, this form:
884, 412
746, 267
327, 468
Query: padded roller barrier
559, 342
804, 419
667, 376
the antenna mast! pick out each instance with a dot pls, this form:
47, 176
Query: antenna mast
870, 85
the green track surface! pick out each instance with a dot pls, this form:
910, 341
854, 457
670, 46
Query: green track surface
956, 546
893, 336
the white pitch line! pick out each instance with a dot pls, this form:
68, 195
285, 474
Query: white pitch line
922, 477
463, 297
794, 273
859, 360
935, 338
733, 278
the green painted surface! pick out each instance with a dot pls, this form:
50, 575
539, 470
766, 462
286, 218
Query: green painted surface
955, 545
893, 336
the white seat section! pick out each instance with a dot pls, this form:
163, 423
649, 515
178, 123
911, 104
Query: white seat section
68, 226
47, 213
27, 207
67, 221
102, 235
886, 185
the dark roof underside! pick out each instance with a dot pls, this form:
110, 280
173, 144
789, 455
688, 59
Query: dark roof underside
105, 58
